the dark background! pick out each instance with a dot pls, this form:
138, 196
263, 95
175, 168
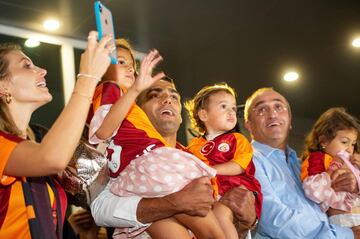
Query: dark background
248, 44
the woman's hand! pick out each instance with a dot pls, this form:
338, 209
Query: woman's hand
145, 78
95, 60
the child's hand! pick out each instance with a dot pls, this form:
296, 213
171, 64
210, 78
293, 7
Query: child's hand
355, 160
145, 79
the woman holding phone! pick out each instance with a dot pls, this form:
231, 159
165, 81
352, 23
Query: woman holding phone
32, 201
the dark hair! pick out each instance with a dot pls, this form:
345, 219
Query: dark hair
200, 101
328, 124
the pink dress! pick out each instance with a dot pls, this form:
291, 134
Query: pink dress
141, 164
318, 189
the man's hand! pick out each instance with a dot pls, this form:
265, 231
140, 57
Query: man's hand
344, 180
195, 199
356, 231
242, 202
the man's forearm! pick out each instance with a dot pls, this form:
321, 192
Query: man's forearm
154, 209
194, 199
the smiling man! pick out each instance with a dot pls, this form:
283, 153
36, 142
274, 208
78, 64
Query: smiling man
286, 211
161, 111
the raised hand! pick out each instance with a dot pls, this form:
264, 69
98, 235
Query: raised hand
95, 60
145, 78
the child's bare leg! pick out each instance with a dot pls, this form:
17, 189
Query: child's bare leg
226, 219
203, 227
168, 228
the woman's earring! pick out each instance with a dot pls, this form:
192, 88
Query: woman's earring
8, 98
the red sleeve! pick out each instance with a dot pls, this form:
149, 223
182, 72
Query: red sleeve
316, 163
251, 183
105, 93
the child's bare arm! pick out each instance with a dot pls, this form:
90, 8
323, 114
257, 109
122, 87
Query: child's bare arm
116, 115
119, 110
228, 168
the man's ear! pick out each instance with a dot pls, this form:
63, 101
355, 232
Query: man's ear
202, 115
247, 126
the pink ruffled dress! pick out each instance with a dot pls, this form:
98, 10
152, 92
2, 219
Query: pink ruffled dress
318, 189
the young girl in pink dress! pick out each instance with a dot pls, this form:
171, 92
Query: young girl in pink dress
141, 161
332, 145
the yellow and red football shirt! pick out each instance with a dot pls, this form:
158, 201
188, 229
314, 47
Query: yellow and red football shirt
317, 162
136, 135
224, 148
14, 214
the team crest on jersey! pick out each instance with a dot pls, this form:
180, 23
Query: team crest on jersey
224, 147
207, 148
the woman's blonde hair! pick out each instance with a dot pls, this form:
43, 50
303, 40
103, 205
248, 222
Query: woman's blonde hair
328, 124
7, 123
201, 100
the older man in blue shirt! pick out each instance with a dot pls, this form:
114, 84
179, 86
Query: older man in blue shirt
286, 212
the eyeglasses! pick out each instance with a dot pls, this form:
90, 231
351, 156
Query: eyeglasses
266, 109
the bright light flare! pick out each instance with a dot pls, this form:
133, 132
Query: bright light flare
291, 76
356, 42
32, 42
51, 24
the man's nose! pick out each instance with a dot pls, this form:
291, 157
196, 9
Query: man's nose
166, 99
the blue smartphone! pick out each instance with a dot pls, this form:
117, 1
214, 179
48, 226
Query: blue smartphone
105, 26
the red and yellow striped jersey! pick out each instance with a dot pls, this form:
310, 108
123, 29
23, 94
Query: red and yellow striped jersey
14, 212
136, 135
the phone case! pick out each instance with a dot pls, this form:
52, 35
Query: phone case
104, 25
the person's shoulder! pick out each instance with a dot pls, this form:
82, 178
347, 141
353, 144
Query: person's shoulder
196, 141
240, 136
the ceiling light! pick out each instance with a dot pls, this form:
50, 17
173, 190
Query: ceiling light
32, 42
356, 42
51, 24
291, 76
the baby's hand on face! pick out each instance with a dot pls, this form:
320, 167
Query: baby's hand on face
355, 160
145, 78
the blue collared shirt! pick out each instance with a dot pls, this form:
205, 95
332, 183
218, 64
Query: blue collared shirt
286, 212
